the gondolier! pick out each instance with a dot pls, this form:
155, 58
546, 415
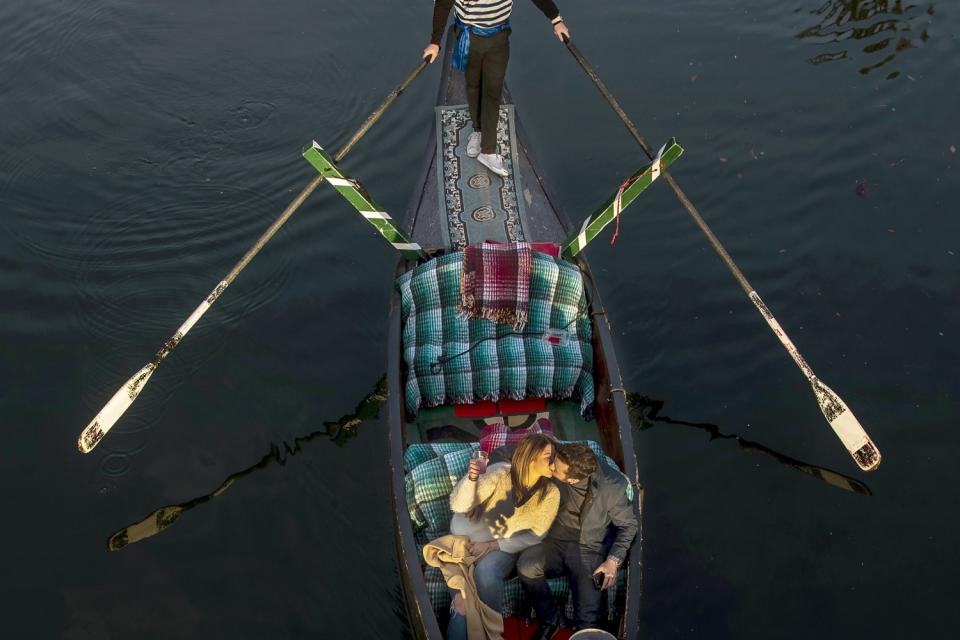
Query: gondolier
482, 52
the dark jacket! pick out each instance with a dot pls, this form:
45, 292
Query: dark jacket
607, 516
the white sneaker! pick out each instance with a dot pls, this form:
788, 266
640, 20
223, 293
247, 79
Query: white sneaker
473, 145
494, 162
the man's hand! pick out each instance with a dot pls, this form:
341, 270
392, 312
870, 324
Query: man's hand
431, 52
560, 30
609, 571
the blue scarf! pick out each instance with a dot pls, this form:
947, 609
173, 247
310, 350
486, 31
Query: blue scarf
463, 42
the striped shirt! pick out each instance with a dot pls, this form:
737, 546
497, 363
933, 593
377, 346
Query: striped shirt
483, 13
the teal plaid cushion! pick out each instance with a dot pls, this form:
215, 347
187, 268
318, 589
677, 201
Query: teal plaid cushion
417, 453
432, 480
450, 358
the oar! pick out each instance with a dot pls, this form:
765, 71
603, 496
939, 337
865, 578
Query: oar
841, 419
124, 397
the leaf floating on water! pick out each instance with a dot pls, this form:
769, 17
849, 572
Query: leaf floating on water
724, 158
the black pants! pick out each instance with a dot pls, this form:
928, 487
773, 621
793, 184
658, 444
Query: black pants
486, 69
553, 558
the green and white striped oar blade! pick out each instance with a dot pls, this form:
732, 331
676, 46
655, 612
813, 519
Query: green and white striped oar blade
356, 195
637, 184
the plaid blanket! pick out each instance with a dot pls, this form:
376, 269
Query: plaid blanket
495, 282
431, 470
452, 359
498, 434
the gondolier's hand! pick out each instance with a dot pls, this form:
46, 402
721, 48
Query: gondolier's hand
473, 472
560, 30
609, 571
431, 52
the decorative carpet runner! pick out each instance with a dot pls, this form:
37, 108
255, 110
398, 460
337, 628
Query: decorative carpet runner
480, 205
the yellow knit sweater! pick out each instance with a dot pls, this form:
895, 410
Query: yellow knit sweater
515, 528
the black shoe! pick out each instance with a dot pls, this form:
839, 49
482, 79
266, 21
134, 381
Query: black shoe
546, 631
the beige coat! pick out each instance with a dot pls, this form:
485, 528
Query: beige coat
451, 554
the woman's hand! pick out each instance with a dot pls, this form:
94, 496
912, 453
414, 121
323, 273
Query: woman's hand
473, 472
431, 52
480, 548
560, 30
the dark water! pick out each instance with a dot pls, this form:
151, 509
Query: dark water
146, 145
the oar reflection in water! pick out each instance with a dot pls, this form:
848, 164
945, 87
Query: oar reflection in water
647, 411
339, 432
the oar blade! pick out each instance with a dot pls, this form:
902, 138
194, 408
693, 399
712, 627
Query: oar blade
115, 407
846, 426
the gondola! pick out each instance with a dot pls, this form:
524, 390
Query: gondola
440, 219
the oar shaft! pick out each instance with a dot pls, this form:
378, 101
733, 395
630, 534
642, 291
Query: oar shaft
311, 187
692, 210
373, 117
124, 397
841, 419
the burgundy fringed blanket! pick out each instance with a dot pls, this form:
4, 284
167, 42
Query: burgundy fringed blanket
495, 284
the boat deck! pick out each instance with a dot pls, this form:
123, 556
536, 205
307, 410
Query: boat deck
473, 203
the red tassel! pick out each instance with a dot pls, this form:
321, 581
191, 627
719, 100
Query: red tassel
626, 183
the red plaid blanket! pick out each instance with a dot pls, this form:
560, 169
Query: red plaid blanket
495, 284
499, 434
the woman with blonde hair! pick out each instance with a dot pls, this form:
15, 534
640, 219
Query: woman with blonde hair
503, 511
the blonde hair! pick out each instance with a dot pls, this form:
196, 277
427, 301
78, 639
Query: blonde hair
523, 487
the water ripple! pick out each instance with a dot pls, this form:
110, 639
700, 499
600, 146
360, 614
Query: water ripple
141, 276
885, 28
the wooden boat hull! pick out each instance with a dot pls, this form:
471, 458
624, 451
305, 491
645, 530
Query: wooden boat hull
614, 430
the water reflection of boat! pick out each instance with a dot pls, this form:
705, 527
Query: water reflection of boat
648, 412
457, 202
887, 28
339, 432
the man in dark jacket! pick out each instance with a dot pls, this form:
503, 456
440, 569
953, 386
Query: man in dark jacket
591, 536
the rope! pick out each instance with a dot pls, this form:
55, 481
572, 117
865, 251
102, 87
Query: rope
618, 207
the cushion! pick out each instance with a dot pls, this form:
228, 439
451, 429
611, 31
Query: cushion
451, 359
